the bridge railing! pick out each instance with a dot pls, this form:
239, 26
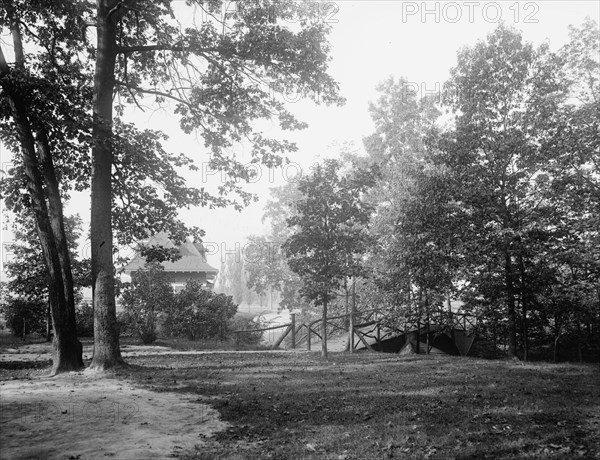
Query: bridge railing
363, 320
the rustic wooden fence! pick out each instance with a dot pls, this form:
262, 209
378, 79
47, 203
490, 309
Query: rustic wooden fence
366, 326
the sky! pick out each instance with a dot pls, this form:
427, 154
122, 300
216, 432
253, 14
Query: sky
370, 42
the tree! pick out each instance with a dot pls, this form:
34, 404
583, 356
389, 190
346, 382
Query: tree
27, 98
23, 316
231, 275
28, 277
210, 76
503, 91
329, 235
146, 299
218, 73
198, 313
413, 254
266, 264
572, 298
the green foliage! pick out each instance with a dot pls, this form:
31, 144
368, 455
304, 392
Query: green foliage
26, 269
24, 316
266, 264
218, 74
145, 299
329, 230
413, 237
497, 207
253, 337
198, 313
267, 270
503, 161
84, 314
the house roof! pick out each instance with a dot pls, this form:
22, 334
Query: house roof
193, 258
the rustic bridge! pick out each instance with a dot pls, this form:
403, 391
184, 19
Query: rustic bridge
438, 331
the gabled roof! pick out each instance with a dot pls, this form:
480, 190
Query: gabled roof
192, 259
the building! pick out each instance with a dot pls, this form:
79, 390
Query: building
191, 265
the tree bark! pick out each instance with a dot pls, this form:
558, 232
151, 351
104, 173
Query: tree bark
524, 307
324, 331
352, 311
510, 303
67, 355
55, 208
107, 352
48, 322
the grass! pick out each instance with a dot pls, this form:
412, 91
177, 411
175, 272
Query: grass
206, 345
368, 405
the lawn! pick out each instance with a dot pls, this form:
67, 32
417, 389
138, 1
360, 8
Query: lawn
364, 406
367, 405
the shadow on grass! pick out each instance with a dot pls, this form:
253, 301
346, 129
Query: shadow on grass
294, 405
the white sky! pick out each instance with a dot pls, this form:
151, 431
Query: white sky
370, 40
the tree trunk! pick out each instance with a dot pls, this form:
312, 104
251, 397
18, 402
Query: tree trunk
352, 311
346, 320
55, 208
67, 354
510, 303
48, 322
107, 352
524, 307
324, 331
579, 342
427, 327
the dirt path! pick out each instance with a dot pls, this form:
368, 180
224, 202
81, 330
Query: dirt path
81, 416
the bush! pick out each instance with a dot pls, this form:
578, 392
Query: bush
24, 316
246, 324
124, 325
145, 299
148, 336
199, 314
84, 315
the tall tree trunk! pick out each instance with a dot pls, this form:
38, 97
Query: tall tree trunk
107, 352
510, 303
324, 331
524, 307
557, 327
428, 326
352, 311
55, 208
48, 322
67, 354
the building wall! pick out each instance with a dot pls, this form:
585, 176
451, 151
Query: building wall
178, 279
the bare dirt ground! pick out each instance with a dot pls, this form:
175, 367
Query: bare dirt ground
84, 416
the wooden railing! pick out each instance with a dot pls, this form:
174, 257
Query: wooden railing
359, 321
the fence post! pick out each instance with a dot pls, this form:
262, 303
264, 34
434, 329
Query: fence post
308, 337
353, 309
293, 316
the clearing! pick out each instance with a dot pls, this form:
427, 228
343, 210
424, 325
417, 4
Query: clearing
238, 405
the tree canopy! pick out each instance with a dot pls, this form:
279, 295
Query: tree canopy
218, 69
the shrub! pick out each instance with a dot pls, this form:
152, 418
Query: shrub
145, 299
84, 315
199, 314
24, 316
246, 324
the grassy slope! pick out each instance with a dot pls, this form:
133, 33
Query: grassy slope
364, 406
